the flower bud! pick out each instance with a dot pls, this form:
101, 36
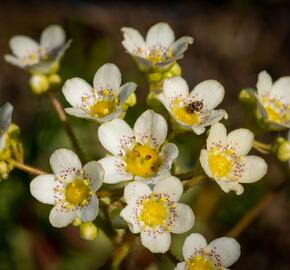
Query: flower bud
175, 70
77, 222
88, 231
131, 101
154, 77
4, 170
54, 68
39, 84
54, 79
282, 147
248, 98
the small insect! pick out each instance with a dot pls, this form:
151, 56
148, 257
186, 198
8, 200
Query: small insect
195, 106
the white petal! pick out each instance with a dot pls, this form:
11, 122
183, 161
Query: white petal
228, 185
75, 90
14, 60
79, 113
281, 90
108, 76
132, 40
109, 117
210, 92
204, 162
168, 154
156, 242
170, 186
228, 250
91, 210
22, 46
52, 37
115, 170
65, 163
135, 190
193, 243
42, 188
126, 90
181, 45
183, 220
150, 128
241, 140
6, 111
214, 117
160, 34
254, 169
198, 130
60, 217
116, 136
127, 214
217, 134
264, 84
94, 172
175, 88
180, 266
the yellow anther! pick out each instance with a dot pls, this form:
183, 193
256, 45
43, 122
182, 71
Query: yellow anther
184, 116
77, 192
142, 161
154, 212
220, 163
200, 263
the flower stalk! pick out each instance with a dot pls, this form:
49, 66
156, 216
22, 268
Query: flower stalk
28, 169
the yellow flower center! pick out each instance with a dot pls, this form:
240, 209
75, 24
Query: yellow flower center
142, 161
157, 55
185, 116
220, 163
276, 110
77, 192
200, 263
154, 212
102, 108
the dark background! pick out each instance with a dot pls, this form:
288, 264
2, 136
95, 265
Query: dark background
234, 41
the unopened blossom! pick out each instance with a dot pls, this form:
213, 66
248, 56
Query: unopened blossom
219, 254
193, 110
226, 161
274, 100
39, 57
139, 153
103, 101
5, 120
155, 214
159, 49
71, 188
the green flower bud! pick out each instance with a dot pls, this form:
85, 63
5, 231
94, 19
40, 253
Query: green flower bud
54, 79
167, 75
248, 98
131, 101
154, 77
176, 70
77, 222
88, 231
39, 84
282, 147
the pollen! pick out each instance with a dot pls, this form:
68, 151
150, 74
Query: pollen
142, 161
154, 212
77, 192
199, 263
102, 108
185, 116
220, 163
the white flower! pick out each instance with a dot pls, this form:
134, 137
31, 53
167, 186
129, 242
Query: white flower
160, 48
274, 100
218, 254
226, 160
5, 120
102, 102
193, 110
38, 57
155, 213
137, 153
71, 189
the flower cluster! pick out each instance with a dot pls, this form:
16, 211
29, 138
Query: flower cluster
142, 157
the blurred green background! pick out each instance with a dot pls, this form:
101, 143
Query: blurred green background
234, 41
